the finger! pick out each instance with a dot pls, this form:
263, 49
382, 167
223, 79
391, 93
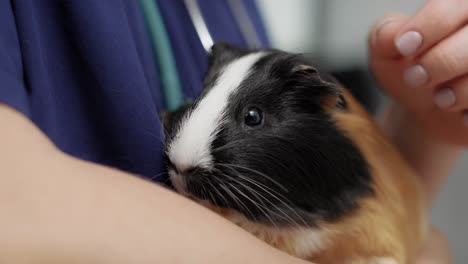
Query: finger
453, 96
450, 127
436, 250
446, 61
382, 34
434, 22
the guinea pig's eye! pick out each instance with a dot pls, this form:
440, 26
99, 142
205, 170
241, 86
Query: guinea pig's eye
253, 117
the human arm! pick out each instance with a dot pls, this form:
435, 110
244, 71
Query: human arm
57, 209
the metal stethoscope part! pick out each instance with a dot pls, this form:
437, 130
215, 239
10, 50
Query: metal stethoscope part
240, 14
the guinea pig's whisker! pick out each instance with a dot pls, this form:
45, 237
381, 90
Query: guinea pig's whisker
255, 182
283, 216
203, 191
236, 143
229, 193
274, 160
256, 172
254, 192
262, 199
150, 133
234, 197
238, 201
231, 144
158, 175
166, 133
227, 145
274, 194
256, 204
211, 195
252, 181
218, 193
259, 184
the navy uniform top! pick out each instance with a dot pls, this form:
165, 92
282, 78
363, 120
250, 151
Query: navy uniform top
83, 72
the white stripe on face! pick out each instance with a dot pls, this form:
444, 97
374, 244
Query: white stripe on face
191, 145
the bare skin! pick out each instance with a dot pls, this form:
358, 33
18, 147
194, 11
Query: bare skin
57, 209
428, 118
63, 210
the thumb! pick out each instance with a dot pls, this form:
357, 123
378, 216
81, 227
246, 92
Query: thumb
382, 35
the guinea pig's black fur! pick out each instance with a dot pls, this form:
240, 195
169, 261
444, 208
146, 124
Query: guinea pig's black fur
296, 167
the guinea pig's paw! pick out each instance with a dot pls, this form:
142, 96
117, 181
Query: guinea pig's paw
376, 260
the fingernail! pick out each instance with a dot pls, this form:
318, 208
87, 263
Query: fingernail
380, 27
408, 43
445, 98
415, 76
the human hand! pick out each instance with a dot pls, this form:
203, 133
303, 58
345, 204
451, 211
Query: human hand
422, 62
436, 250
426, 74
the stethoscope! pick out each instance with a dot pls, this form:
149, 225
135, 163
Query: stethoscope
170, 82
240, 15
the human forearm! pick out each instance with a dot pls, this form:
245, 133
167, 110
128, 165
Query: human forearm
431, 159
56, 209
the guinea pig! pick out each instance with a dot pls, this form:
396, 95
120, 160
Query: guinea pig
289, 155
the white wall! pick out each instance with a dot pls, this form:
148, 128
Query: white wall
291, 24
335, 29
347, 24
337, 33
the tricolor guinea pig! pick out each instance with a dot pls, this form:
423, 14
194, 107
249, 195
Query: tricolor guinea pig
290, 156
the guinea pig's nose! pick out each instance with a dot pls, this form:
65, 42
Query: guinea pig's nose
191, 171
186, 171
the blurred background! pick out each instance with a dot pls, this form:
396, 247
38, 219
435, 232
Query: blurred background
335, 32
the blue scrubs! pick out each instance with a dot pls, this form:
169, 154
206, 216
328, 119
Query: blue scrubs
83, 72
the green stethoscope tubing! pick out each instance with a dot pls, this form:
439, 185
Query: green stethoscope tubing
164, 54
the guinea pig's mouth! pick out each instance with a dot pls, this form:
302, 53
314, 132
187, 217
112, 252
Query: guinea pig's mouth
180, 185
219, 192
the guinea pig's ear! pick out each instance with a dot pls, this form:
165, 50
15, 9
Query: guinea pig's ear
170, 120
222, 53
335, 100
305, 69
330, 92
167, 121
